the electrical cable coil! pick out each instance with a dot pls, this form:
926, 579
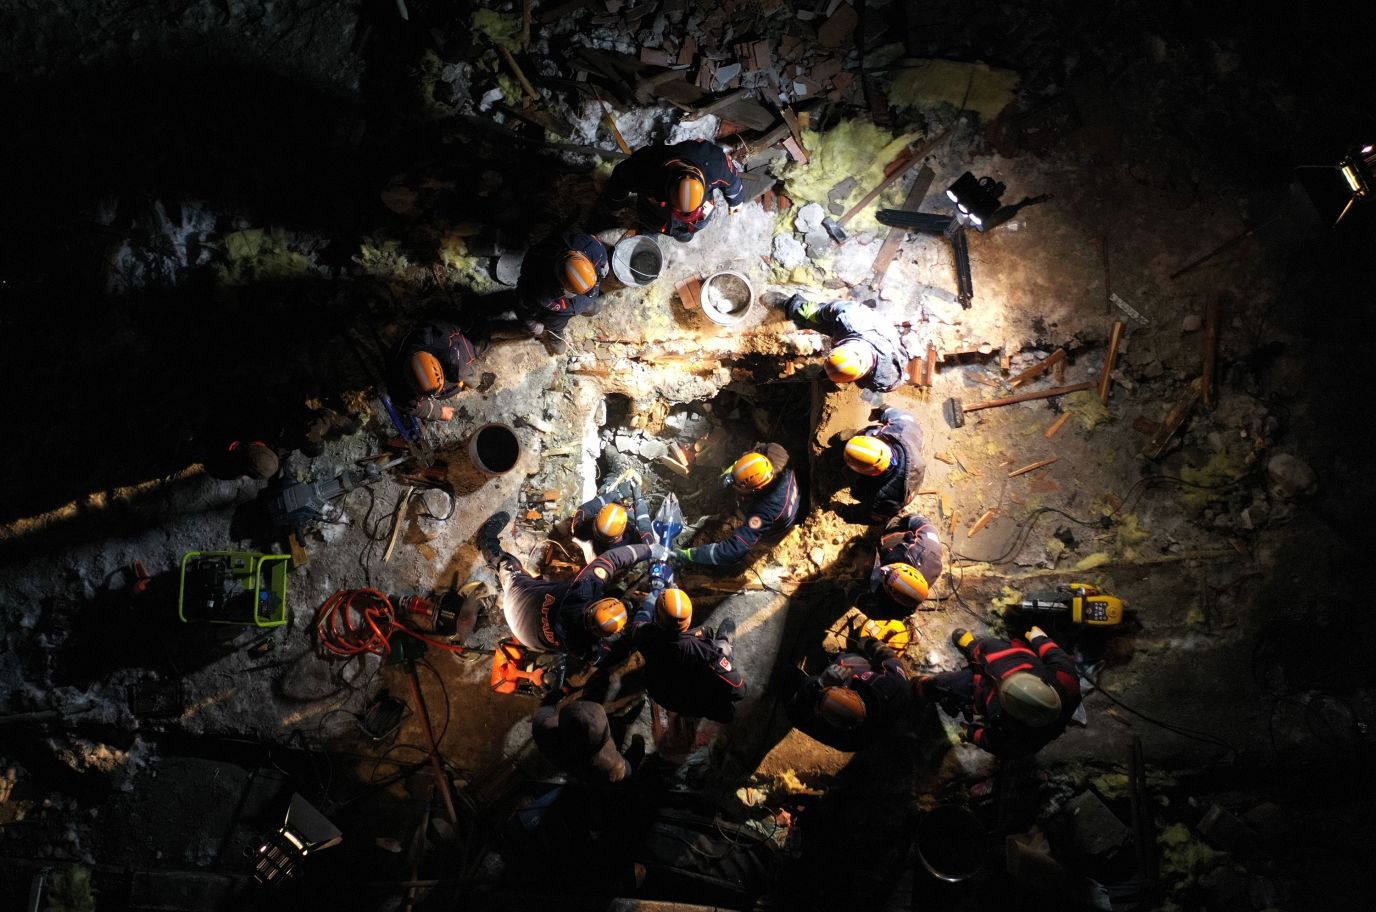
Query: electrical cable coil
363, 621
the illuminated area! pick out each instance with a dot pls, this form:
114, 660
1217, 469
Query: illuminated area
673, 456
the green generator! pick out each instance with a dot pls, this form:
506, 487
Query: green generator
234, 587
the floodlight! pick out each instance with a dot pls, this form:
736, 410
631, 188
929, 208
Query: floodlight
304, 832
976, 198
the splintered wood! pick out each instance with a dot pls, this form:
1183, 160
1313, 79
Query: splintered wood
1033, 467
1039, 368
1056, 426
1115, 338
980, 523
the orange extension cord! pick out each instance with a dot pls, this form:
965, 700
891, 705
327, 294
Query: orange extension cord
357, 621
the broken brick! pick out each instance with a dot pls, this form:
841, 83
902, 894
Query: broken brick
837, 30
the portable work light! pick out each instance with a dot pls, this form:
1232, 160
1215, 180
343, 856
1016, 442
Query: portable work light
1357, 168
304, 832
1335, 189
976, 198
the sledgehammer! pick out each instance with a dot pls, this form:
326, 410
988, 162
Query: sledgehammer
955, 411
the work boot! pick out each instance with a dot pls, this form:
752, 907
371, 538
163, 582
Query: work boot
963, 640
726, 630
487, 536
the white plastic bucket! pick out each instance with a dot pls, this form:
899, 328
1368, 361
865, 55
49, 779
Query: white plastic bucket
727, 297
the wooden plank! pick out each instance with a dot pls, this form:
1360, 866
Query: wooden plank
929, 377
398, 520
1056, 426
1115, 337
894, 239
1173, 421
1210, 352
1039, 368
1036, 465
912, 158
980, 523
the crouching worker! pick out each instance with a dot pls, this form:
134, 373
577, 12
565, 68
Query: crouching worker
688, 670
855, 700
674, 186
578, 740
768, 499
906, 564
864, 350
561, 278
1016, 696
605, 522
432, 364
888, 460
573, 617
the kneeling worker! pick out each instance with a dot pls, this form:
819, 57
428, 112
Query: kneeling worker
888, 460
573, 617
864, 350
906, 564
673, 186
688, 670
855, 700
1016, 696
604, 521
561, 278
432, 363
768, 499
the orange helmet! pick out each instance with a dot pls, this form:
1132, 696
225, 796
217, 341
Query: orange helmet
577, 274
427, 372
605, 617
904, 583
752, 472
611, 522
842, 708
868, 455
687, 189
674, 609
849, 361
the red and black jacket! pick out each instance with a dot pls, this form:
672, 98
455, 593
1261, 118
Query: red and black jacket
992, 662
646, 174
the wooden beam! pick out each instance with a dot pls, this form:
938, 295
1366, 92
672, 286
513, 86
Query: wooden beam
1115, 337
1210, 352
1056, 426
1036, 465
914, 157
1039, 368
894, 239
1173, 420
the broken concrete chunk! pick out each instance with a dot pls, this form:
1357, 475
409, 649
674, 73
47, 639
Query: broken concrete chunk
809, 218
1221, 829
789, 251
1190, 324
836, 31
818, 244
1096, 830
508, 269
1290, 476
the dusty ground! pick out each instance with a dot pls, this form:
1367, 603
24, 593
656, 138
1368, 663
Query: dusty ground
1231, 624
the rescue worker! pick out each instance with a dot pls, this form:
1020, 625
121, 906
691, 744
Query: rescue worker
432, 363
573, 617
865, 350
561, 278
578, 740
604, 522
674, 184
888, 462
1016, 696
855, 700
906, 564
688, 670
768, 500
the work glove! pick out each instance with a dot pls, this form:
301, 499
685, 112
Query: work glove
1035, 632
800, 310
659, 553
684, 555
447, 413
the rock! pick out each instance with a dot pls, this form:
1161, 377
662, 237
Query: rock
652, 449
1290, 476
836, 209
819, 557
1255, 516
1221, 828
789, 251
818, 244
1191, 324
508, 269
1096, 830
809, 218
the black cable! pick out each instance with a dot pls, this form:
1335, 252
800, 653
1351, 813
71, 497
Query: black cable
1190, 733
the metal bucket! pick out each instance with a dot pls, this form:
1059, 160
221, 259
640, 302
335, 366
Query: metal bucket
494, 449
637, 260
950, 843
727, 297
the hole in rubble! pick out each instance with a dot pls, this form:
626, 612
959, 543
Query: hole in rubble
687, 452
496, 449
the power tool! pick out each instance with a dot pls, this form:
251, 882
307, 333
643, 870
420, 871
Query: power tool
515, 670
297, 504
1082, 603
